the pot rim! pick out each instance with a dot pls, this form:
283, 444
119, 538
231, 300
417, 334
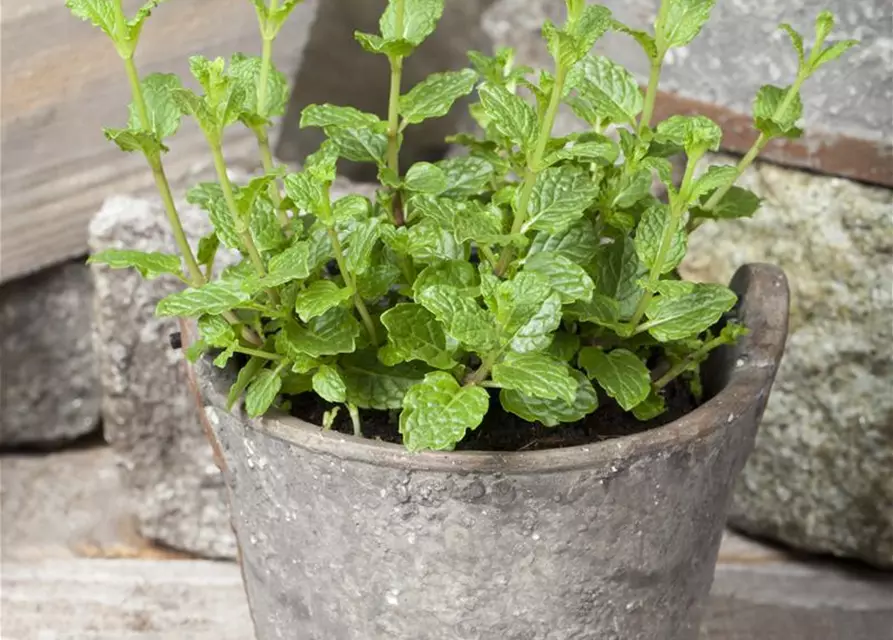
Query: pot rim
763, 294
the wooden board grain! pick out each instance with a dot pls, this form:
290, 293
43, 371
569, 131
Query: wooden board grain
62, 82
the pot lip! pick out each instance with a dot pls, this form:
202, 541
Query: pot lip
763, 293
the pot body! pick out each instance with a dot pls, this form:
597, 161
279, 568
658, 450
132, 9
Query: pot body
350, 539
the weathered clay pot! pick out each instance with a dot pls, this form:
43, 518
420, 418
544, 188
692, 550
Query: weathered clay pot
349, 539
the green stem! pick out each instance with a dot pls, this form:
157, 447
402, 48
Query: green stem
680, 367
173, 218
355, 419
651, 94
533, 165
266, 157
257, 352
484, 370
393, 156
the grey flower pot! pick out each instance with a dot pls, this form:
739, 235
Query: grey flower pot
350, 539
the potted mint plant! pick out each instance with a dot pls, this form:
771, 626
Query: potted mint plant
482, 404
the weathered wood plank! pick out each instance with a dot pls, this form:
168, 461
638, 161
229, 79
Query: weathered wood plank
63, 81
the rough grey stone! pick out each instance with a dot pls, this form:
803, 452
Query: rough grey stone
820, 478
345, 538
49, 387
149, 413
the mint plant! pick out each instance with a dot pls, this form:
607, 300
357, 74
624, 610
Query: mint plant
539, 266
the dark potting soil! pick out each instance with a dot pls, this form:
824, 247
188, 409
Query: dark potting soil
503, 431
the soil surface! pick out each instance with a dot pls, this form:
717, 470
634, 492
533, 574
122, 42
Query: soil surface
503, 431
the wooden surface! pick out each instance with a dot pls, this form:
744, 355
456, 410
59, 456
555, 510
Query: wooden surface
73, 568
62, 81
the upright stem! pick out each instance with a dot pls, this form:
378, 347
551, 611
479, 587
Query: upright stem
394, 116
266, 157
533, 165
651, 93
170, 209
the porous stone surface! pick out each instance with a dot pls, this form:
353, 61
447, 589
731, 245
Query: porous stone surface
149, 413
820, 477
49, 387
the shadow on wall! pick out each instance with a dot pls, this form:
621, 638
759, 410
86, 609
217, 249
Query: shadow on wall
335, 69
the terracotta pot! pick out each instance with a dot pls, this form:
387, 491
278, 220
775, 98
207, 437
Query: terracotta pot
350, 539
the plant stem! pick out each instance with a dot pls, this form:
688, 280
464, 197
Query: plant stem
173, 218
257, 352
484, 370
680, 367
533, 164
348, 277
266, 157
355, 419
393, 157
651, 93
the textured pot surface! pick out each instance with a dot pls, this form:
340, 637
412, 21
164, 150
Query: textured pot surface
350, 539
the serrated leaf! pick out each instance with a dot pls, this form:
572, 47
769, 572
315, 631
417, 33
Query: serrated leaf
537, 375
552, 412
564, 346
213, 299
770, 118
565, 277
796, 40
824, 25
100, 13
616, 273
376, 44
224, 356
510, 115
360, 243
331, 333
377, 280
464, 220
321, 165
645, 40
372, 385
737, 202
329, 115
290, 264
559, 198
245, 72
419, 20
438, 412
318, 298
207, 249
329, 385
696, 134
307, 193
675, 318
462, 318
264, 225
599, 150
162, 111
620, 373
262, 393
129, 140
434, 96
216, 331
833, 53
650, 407
209, 196
424, 177
610, 92
150, 265
351, 207
716, 176
359, 145
650, 235
429, 242
578, 242
600, 310
465, 175
458, 274
536, 333
415, 334
246, 374
684, 20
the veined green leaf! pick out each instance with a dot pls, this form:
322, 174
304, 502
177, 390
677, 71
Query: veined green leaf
129, 140
306, 192
683, 22
213, 299
216, 331
601, 310
361, 242
465, 175
329, 115
209, 196
771, 119
438, 412
162, 111
578, 242
458, 274
565, 277
150, 265
318, 298
419, 19
262, 393
246, 374
428, 242
675, 318
424, 177
649, 235
351, 207
377, 280
696, 134
564, 346
415, 334
537, 375
359, 145
736, 203
552, 412
559, 198
372, 385
291, 264
617, 270
650, 407
716, 176
101, 13
609, 91
333, 332
620, 373
328, 384
510, 114
245, 71
434, 96
460, 316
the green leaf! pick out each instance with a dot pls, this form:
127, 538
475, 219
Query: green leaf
247, 373
321, 165
209, 196
684, 20
645, 40
333, 332
464, 220
796, 40
527, 326
552, 412
593, 22
824, 25
376, 44
578, 242
351, 207
419, 20
150, 265
415, 334
771, 119
213, 299
359, 145
207, 249
129, 140
565, 277
329, 385
601, 310
536, 375
437, 412
245, 72
650, 233
266, 230
162, 111
372, 385
377, 280
736, 203
564, 346
262, 392
428, 242
650, 408
559, 198
832, 53
465, 175
610, 92
616, 274
307, 193
216, 331
620, 373
291, 264
510, 114
319, 297
329, 115
101, 13
462, 318
361, 243
434, 96
696, 134
675, 318
597, 149
459, 274
629, 190
716, 177
424, 177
